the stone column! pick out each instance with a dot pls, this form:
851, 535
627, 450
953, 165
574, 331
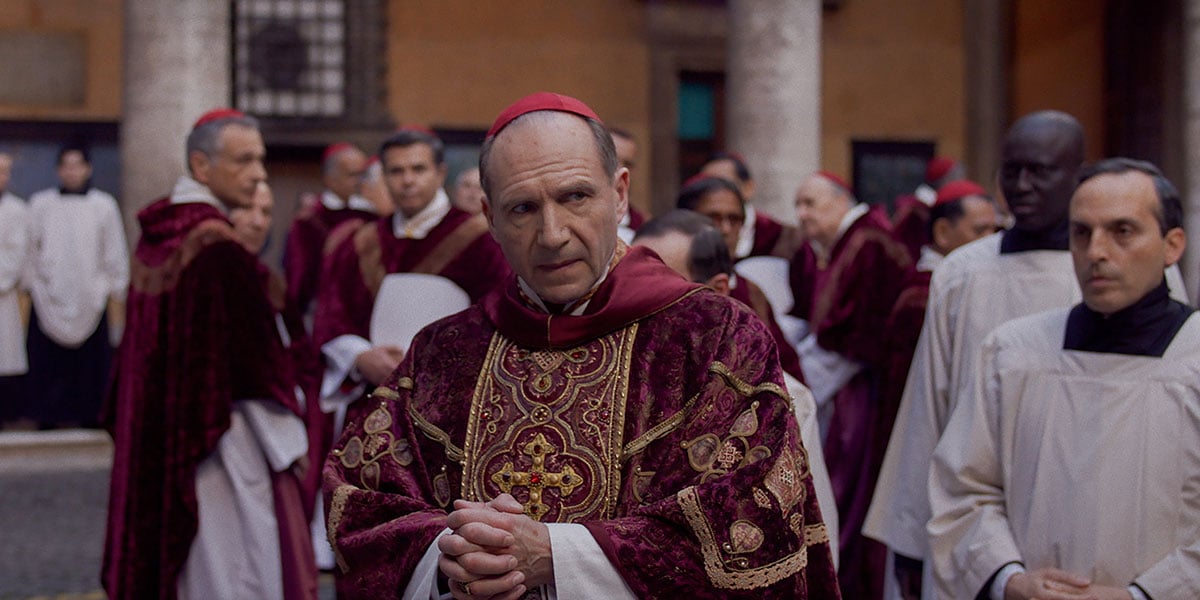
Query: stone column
773, 79
176, 68
1191, 143
986, 25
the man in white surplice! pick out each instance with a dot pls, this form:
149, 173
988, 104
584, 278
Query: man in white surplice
77, 262
12, 330
1072, 469
1024, 270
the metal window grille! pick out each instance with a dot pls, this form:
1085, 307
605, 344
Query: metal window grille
290, 57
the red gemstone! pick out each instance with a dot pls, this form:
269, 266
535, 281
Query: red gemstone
486, 415
535, 478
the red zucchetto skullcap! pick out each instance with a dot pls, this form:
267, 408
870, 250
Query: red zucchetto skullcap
218, 114
335, 148
937, 168
956, 190
836, 180
541, 101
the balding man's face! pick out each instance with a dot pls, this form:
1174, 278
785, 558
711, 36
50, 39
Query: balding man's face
344, 177
552, 208
820, 206
1037, 175
1117, 243
234, 172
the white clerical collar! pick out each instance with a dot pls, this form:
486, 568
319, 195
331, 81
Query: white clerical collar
926, 194
848, 219
419, 225
930, 259
331, 201
574, 310
189, 190
745, 242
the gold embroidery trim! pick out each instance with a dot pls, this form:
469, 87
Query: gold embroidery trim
718, 573
436, 434
604, 458
816, 534
385, 393
670, 424
464, 458
742, 387
337, 506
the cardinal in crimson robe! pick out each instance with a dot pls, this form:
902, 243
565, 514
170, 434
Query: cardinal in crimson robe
206, 426
343, 167
425, 235
846, 280
596, 400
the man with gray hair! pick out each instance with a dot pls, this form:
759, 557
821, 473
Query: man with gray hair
596, 427
343, 167
204, 414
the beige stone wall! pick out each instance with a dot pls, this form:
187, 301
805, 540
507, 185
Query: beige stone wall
1058, 63
92, 32
458, 63
891, 71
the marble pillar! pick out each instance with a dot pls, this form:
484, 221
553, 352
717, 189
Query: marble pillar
773, 79
176, 68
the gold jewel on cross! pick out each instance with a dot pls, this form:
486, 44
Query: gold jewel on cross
537, 479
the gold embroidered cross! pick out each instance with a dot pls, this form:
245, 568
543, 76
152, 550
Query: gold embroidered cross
537, 479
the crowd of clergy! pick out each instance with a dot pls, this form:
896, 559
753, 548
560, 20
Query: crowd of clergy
978, 393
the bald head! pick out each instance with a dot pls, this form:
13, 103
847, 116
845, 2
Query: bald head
554, 200
342, 171
820, 205
1042, 153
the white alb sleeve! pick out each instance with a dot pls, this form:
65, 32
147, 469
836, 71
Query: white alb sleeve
280, 433
581, 570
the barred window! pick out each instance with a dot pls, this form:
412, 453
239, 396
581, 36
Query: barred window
308, 59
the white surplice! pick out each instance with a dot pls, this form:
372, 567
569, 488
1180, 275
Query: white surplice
236, 552
975, 289
12, 262
1083, 461
77, 261
972, 291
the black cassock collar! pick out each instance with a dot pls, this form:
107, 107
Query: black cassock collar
1015, 240
1145, 328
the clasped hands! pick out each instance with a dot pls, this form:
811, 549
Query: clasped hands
494, 550
1056, 584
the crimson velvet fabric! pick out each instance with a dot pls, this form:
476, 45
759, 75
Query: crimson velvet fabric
772, 238
459, 248
307, 368
701, 487
304, 253
910, 224
900, 337
200, 333
747, 292
847, 302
